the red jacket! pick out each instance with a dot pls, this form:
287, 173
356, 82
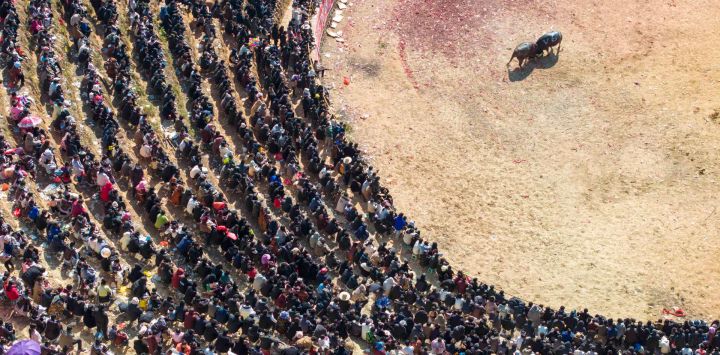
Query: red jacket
177, 276
77, 209
12, 293
189, 321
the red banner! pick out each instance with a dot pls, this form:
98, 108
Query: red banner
321, 18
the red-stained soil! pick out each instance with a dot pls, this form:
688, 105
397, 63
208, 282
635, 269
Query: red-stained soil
450, 27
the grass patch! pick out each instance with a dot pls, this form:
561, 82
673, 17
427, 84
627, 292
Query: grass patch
162, 35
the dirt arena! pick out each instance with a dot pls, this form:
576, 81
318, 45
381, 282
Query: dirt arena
588, 179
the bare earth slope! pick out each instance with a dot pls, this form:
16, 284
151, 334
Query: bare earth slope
586, 180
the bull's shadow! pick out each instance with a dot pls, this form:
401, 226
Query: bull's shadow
544, 62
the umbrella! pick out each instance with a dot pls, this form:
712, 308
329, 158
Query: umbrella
29, 122
25, 347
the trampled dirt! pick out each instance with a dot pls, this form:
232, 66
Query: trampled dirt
586, 179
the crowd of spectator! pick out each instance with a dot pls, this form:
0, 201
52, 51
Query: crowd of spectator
282, 241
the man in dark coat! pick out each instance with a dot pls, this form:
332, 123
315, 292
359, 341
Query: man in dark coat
102, 320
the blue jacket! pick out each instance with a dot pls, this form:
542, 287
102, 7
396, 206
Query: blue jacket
400, 223
184, 245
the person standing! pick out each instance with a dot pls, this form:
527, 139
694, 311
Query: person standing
67, 340
104, 292
101, 320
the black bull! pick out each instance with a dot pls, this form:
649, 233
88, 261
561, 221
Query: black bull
529, 50
547, 41
525, 50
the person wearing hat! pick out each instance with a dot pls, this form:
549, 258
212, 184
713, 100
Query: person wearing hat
246, 311
47, 160
196, 171
344, 301
17, 78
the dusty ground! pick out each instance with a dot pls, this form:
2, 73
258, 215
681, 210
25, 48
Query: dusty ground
589, 179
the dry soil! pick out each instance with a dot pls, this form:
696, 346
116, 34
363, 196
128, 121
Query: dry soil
587, 179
